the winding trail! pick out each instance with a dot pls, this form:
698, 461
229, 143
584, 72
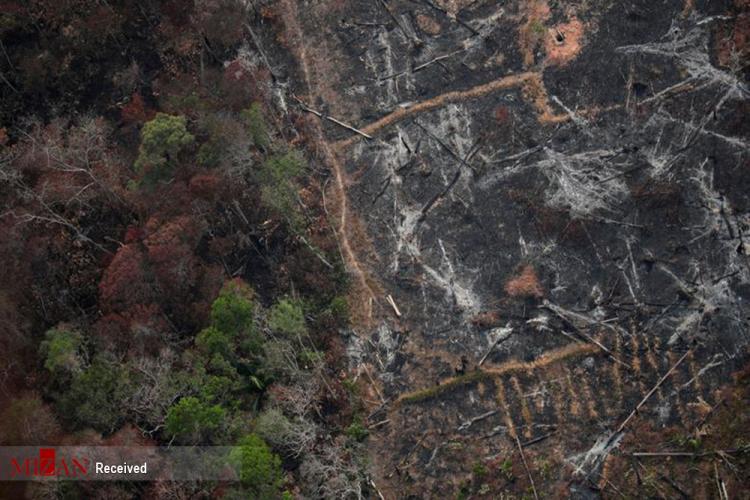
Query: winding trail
401, 114
533, 91
343, 231
330, 152
512, 366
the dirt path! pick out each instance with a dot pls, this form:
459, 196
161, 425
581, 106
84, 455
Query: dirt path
550, 357
364, 297
400, 114
364, 292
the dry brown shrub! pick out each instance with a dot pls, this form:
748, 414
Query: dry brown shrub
136, 110
502, 115
486, 319
732, 43
428, 24
526, 284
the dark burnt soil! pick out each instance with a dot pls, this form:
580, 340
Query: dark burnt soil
588, 212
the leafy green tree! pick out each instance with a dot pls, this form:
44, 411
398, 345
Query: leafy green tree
213, 381
257, 467
256, 125
356, 430
209, 154
218, 364
62, 350
220, 389
281, 168
191, 420
287, 318
97, 396
233, 312
279, 187
161, 140
339, 309
213, 341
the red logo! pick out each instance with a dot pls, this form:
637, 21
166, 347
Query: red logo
47, 461
47, 464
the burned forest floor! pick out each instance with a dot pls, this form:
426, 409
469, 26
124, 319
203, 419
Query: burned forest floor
544, 210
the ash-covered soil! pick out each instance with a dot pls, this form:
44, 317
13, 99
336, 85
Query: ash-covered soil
555, 196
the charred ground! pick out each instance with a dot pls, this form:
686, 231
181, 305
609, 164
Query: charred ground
566, 182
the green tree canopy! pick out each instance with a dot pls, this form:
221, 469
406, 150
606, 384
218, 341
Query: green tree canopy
258, 468
233, 310
212, 341
279, 186
256, 125
161, 140
281, 168
97, 396
62, 350
287, 318
192, 421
